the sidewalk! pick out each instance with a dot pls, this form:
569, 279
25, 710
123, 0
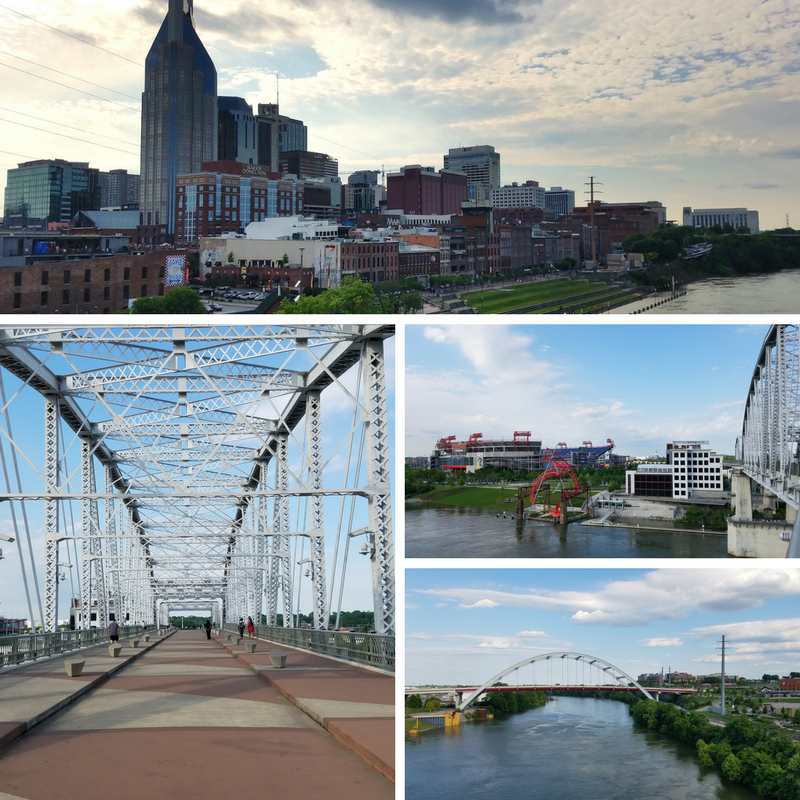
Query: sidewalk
354, 705
188, 717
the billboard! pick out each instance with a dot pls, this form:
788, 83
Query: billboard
177, 273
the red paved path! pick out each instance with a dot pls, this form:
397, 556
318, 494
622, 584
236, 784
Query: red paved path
191, 718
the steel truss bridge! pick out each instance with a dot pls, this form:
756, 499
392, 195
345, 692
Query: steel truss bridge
183, 467
565, 666
769, 447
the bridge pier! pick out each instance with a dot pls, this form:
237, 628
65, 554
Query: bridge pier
755, 538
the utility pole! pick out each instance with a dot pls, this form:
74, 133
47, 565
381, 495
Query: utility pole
722, 678
591, 186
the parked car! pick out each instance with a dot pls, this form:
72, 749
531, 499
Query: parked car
213, 307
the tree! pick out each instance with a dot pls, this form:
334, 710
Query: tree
411, 302
285, 259
231, 257
433, 704
180, 300
353, 296
414, 701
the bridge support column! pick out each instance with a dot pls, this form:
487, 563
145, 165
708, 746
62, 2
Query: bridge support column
742, 495
753, 538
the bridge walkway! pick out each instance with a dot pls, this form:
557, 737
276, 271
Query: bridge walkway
186, 717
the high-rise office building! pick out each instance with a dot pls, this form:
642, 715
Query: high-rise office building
481, 164
238, 131
118, 189
40, 192
179, 113
560, 201
308, 165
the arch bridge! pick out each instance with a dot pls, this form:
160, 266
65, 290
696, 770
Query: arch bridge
208, 468
562, 661
768, 452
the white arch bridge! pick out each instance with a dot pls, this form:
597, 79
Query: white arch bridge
561, 670
769, 451
203, 467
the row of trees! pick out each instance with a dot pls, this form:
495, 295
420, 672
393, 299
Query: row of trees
514, 702
760, 756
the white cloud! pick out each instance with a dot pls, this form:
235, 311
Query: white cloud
481, 604
661, 642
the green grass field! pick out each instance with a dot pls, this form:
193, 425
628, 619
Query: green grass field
556, 292
488, 497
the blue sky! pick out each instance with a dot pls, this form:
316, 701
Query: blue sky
26, 412
466, 625
658, 100
641, 385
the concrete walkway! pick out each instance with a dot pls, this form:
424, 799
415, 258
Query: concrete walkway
188, 717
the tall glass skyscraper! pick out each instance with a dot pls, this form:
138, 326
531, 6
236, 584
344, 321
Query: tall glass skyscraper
40, 192
179, 113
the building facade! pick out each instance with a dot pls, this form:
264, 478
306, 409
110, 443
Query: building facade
559, 201
179, 114
226, 196
692, 469
119, 189
709, 217
421, 190
237, 135
528, 195
307, 164
480, 164
40, 193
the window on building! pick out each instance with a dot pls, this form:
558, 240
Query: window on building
143, 293
17, 279
45, 277
106, 274
17, 300
126, 292
144, 273
65, 297
127, 273
106, 293
67, 276
87, 276
44, 299
87, 295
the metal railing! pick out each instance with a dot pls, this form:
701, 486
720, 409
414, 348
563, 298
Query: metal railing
368, 649
17, 648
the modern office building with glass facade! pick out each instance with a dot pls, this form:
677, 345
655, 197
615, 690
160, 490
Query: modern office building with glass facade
40, 192
481, 164
179, 113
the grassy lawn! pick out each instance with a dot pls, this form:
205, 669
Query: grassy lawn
527, 294
489, 497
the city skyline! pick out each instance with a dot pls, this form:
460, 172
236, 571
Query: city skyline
677, 117
640, 385
466, 625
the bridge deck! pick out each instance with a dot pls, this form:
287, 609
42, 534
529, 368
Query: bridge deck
186, 717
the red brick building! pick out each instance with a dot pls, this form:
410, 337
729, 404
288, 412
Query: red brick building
263, 277
374, 261
420, 190
91, 286
789, 684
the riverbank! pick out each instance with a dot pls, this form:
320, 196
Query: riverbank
639, 527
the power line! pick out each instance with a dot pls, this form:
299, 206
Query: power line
74, 89
71, 35
71, 127
66, 74
64, 135
18, 155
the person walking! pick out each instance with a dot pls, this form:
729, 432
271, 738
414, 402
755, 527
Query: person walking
250, 627
207, 626
113, 630
241, 627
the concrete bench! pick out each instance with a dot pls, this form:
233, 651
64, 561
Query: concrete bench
114, 650
74, 667
134, 643
250, 647
146, 637
278, 658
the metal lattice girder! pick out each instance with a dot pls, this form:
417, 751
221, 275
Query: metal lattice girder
770, 442
184, 423
380, 504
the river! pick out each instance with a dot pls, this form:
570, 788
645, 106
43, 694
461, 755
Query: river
571, 749
461, 532
775, 293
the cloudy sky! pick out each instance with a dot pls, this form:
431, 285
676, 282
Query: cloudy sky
466, 625
692, 105
641, 385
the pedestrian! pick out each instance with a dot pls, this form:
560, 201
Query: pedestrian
113, 630
250, 627
241, 627
207, 626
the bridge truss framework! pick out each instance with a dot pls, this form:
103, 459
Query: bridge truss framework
183, 466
